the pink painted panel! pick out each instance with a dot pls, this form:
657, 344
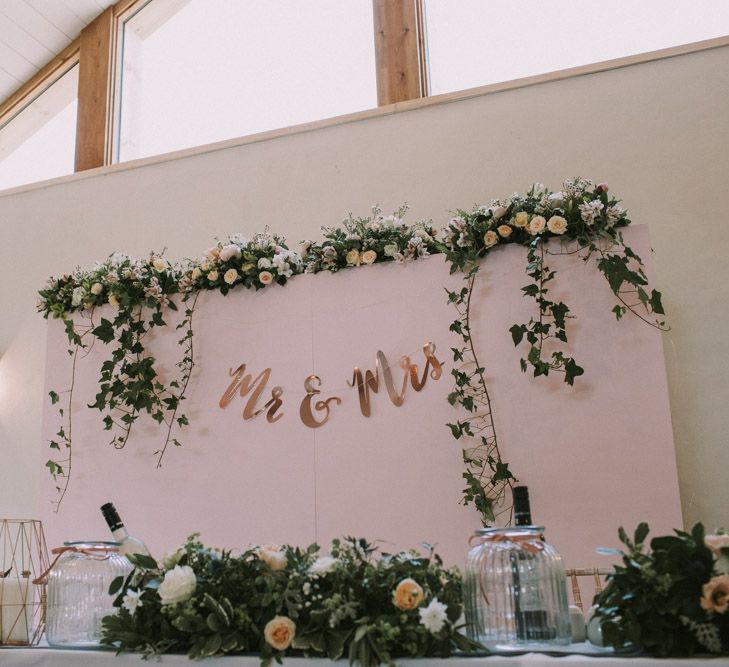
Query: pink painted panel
594, 456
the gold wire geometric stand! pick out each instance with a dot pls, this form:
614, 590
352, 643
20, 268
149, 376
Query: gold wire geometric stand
23, 558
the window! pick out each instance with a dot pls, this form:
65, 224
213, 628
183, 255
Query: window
477, 42
200, 71
40, 141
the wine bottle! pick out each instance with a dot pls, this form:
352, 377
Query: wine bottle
529, 611
127, 543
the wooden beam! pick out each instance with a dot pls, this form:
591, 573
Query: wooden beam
97, 60
397, 51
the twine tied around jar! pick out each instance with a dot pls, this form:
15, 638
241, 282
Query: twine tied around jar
528, 541
88, 551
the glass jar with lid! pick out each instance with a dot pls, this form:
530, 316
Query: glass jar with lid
515, 590
78, 591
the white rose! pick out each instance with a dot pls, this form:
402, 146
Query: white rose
369, 256
264, 263
390, 250
231, 275
536, 225
179, 584
322, 566
273, 557
557, 224
77, 296
266, 277
97, 288
490, 238
229, 251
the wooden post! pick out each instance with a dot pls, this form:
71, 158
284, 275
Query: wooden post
398, 48
97, 49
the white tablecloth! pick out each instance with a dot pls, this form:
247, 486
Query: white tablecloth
47, 657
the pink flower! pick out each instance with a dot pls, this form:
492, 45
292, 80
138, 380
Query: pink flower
716, 594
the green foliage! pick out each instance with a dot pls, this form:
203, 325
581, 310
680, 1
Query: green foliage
654, 600
340, 604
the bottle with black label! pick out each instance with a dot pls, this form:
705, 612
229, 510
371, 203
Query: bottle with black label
127, 543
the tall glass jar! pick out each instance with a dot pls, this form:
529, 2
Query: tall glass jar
515, 590
78, 592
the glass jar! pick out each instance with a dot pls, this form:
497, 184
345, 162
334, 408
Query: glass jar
78, 592
516, 590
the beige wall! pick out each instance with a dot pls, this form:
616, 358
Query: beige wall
658, 132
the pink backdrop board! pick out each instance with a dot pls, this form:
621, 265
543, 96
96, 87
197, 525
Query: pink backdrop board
595, 456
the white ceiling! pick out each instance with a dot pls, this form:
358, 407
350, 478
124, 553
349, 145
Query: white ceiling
32, 32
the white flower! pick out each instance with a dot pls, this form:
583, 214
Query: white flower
179, 584
265, 277
273, 557
131, 601
556, 198
322, 566
390, 250
77, 296
96, 289
231, 275
374, 226
306, 588
590, 210
227, 252
264, 263
239, 240
433, 617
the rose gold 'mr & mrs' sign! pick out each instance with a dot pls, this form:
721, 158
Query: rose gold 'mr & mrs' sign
244, 385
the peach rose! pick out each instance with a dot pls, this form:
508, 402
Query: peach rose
279, 632
504, 231
212, 253
408, 595
196, 273
536, 225
716, 543
521, 219
369, 256
231, 275
96, 289
716, 594
272, 556
499, 212
266, 277
213, 276
557, 224
490, 239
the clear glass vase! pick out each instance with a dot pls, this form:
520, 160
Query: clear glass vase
515, 590
78, 592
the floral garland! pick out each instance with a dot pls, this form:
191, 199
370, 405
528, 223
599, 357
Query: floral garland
582, 218
671, 601
279, 600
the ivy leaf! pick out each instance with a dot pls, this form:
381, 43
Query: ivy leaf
656, 303
54, 397
517, 333
105, 331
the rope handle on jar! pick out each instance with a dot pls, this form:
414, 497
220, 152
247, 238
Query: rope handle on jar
59, 551
525, 541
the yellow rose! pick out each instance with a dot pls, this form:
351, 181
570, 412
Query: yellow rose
213, 276
490, 239
557, 224
353, 257
408, 595
266, 277
196, 273
113, 300
521, 219
231, 275
536, 225
504, 231
369, 256
159, 265
279, 632
716, 594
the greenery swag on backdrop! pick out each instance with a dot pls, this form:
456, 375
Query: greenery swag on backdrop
581, 218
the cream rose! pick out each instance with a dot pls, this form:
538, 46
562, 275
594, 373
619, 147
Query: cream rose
212, 253
248, 266
390, 250
499, 212
213, 276
536, 225
557, 224
196, 273
229, 251
716, 594
266, 277
206, 265
490, 238
408, 595
179, 584
353, 258
272, 556
279, 632
96, 289
159, 265
231, 275
369, 256
521, 219
504, 231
